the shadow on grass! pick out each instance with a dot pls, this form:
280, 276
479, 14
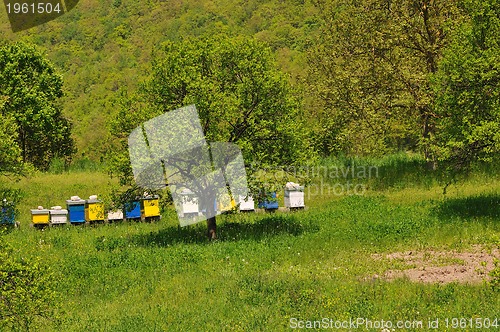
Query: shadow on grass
227, 231
470, 207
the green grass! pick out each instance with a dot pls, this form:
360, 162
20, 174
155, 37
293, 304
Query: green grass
59, 166
400, 171
48, 189
265, 268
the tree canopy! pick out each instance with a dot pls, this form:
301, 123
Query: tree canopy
369, 71
377, 76
468, 89
29, 92
10, 153
241, 96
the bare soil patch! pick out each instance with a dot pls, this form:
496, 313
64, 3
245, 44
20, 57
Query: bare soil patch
430, 266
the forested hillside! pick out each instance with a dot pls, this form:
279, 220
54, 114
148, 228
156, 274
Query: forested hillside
371, 77
104, 47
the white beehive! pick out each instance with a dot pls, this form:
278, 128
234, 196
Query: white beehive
189, 202
294, 195
58, 215
246, 203
115, 215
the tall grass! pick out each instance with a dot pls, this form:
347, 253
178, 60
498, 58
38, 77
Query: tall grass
399, 171
59, 166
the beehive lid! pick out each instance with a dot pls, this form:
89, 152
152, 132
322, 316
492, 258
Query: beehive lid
75, 200
39, 210
186, 192
58, 210
292, 186
152, 197
93, 199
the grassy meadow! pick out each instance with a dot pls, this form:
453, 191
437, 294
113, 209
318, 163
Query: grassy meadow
266, 271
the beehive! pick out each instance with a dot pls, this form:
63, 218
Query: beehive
246, 203
115, 215
58, 215
294, 195
189, 203
151, 206
226, 203
94, 209
7, 213
133, 210
40, 216
76, 210
271, 204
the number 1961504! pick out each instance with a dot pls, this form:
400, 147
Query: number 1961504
472, 323
31, 8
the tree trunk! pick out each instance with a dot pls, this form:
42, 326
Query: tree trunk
427, 131
212, 228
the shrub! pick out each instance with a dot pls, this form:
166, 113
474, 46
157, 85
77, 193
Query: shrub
495, 276
26, 293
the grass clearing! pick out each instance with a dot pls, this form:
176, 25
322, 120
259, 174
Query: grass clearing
265, 269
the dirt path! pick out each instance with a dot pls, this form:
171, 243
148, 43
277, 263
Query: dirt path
431, 266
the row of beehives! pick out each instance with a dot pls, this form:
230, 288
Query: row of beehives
80, 211
294, 199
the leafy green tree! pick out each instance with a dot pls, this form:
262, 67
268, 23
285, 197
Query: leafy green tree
10, 165
369, 73
29, 90
240, 95
468, 89
10, 153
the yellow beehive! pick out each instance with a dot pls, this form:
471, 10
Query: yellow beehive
226, 203
40, 216
94, 209
151, 207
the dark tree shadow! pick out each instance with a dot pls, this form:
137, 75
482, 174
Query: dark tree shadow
227, 231
264, 228
470, 207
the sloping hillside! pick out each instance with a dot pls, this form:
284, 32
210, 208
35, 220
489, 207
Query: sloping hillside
104, 47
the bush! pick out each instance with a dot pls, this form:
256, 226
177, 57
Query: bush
495, 276
9, 198
26, 293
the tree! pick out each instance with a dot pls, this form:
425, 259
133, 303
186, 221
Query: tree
10, 165
240, 95
29, 91
10, 153
369, 73
467, 86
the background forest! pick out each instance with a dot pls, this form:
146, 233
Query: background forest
372, 77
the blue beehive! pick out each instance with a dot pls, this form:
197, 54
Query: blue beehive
135, 210
270, 205
76, 210
7, 214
